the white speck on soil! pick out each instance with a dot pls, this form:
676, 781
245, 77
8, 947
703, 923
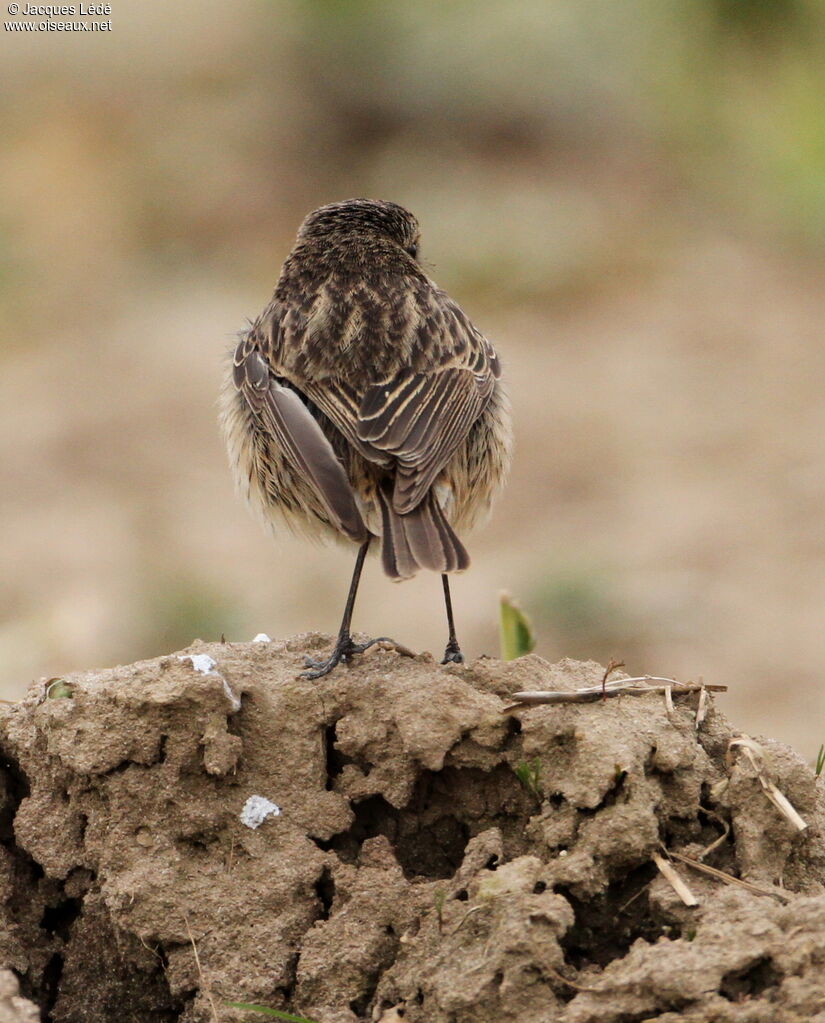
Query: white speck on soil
200, 662
205, 665
256, 810
234, 702
262, 638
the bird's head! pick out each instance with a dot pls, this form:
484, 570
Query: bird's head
359, 222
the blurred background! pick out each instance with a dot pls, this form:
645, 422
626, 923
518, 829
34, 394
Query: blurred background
628, 198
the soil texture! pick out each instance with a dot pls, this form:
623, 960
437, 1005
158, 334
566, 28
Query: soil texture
392, 843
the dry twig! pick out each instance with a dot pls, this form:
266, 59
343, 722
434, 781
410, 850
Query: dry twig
626, 905
702, 707
720, 875
468, 914
206, 987
619, 687
717, 841
756, 755
669, 873
608, 671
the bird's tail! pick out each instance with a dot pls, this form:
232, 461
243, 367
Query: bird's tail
421, 538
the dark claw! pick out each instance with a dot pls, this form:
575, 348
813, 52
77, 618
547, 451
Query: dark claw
453, 654
321, 668
343, 650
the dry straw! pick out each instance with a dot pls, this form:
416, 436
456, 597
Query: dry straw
640, 686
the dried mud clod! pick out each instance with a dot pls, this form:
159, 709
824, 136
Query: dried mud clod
421, 854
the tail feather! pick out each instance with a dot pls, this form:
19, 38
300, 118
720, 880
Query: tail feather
421, 538
396, 556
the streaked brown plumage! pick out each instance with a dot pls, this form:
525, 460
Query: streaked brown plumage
363, 403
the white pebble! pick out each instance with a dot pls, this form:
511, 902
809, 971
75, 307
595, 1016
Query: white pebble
256, 810
200, 662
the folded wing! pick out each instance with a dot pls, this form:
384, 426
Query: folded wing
421, 419
299, 436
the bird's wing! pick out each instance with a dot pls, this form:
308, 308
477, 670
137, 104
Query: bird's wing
302, 441
417, 418
421, 419
341, 403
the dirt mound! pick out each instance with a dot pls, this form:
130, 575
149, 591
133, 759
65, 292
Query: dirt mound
387, 843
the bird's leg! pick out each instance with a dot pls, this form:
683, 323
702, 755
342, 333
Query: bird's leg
344, 646
452, 654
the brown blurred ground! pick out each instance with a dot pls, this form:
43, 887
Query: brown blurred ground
629, 198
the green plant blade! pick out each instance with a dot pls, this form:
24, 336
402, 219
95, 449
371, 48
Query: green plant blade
515, 632
269, 1012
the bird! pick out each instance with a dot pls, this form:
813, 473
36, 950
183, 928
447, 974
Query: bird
362, 405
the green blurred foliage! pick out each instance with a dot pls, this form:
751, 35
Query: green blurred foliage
515, 632
728, 91
529, 774
480, 115
578, 615
761, 20
181, 609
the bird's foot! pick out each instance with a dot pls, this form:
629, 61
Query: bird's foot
453, 654
343, 650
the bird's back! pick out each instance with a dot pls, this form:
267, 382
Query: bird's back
404, 389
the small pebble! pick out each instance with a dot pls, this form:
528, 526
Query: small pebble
256, 810
200, 662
